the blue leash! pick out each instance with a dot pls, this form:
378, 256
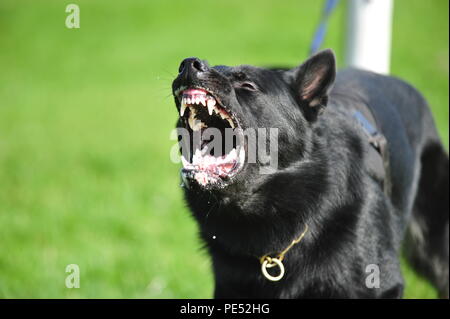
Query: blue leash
319, 36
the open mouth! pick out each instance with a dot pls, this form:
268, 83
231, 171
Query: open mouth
212, 159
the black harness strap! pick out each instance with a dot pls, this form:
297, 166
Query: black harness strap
378, 157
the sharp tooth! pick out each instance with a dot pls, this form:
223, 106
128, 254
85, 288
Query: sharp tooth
184, 161
205, 149
232, 154
210, 107
230, 122
202, 100
188, 100
182, 108
241, 155
197, 157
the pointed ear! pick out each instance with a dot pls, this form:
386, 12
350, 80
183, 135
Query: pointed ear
313, 80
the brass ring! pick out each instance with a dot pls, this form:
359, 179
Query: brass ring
270, 263
266, 264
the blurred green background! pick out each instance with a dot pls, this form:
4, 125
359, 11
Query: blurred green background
85, 118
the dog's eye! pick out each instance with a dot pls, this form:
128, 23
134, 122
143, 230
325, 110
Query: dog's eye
248, 86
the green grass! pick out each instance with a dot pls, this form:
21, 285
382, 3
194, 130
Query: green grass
85, 117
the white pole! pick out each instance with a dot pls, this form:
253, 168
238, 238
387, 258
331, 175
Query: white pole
369, 27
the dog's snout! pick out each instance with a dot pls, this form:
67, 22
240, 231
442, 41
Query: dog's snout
191, 66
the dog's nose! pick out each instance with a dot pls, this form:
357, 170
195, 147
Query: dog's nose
191, 66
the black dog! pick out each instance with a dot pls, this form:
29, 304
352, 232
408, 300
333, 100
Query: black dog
359, 170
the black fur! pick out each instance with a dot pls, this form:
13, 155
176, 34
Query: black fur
324, 180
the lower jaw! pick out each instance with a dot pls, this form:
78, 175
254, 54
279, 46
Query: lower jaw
202, 179
205, 179
213, 177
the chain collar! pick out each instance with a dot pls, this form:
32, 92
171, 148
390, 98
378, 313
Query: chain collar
269, 262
